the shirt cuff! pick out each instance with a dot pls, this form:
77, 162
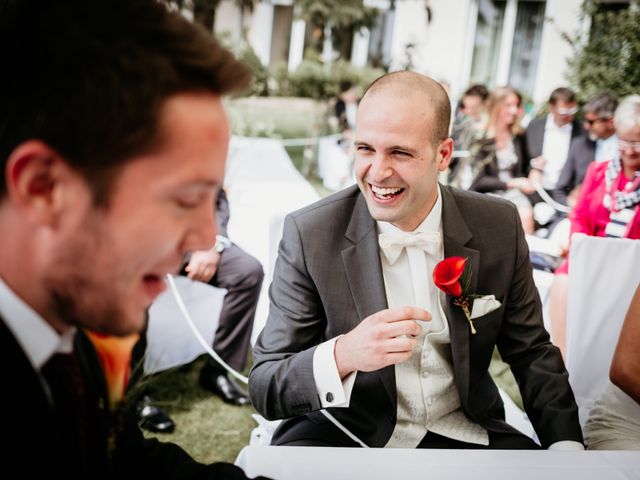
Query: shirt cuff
567, 446
332, 391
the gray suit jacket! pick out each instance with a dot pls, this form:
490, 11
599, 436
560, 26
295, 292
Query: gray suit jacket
328, 277
581, 153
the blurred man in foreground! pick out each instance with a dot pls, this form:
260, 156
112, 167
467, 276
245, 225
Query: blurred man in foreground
113, 142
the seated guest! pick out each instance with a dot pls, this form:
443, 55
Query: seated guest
228, 266
467, 121
358, 327
614, 422
225, 265
598, 143
472, 104
608, 205
497, 162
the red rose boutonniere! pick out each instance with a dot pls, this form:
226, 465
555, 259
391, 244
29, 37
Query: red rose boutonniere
447, 275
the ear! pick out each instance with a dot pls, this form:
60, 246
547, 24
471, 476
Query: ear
35, 173
444, 152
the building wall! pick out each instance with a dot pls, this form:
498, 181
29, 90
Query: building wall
446, 39
260, 30
410, 27
442, 48
227, 21
554, 51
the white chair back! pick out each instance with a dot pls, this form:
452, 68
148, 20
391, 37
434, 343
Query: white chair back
603, 275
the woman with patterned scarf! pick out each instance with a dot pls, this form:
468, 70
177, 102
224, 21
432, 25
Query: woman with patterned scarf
608, 205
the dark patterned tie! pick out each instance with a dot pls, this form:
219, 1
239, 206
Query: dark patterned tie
63, 375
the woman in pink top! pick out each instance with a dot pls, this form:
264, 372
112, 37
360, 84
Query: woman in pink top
608, 205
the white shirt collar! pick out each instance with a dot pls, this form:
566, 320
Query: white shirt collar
432, 222
607, 149
551, 125
37, 338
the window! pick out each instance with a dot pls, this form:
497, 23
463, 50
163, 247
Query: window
507, 43
526, 46
486, 46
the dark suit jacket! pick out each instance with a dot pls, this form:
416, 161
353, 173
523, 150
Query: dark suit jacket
581, 153
222, 212
35, 448
534, 136
328, 277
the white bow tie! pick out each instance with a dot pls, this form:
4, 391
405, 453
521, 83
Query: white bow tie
392, 245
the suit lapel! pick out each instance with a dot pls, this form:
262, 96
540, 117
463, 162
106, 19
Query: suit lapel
456, 235
26, 403
362, 265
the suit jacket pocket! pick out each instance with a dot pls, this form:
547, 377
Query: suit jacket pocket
492, 316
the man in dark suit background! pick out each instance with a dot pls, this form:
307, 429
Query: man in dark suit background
547, 138
357, 328
113, 142
228, 266
599, 142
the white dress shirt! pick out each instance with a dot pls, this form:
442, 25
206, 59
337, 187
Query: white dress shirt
607, 149
555, 149
37, 338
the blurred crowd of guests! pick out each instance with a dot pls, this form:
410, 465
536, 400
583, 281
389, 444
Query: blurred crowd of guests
572, 169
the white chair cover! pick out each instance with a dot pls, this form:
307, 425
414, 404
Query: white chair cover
170, 340
603, 275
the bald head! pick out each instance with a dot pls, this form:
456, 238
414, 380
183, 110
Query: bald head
422, 89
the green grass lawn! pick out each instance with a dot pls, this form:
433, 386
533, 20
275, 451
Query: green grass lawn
212, 431
206, 427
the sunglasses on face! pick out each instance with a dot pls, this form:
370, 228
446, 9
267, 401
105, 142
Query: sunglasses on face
595, 120
566, 112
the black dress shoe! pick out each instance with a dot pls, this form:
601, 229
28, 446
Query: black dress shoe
221, 385
152, 418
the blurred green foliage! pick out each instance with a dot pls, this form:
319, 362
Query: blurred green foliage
606, 57
313, 80
278, 117
259, 85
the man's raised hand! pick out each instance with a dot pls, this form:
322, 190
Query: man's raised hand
385, 338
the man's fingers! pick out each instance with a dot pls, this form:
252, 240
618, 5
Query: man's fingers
395, 358
403, 327
403, 313
400, 345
